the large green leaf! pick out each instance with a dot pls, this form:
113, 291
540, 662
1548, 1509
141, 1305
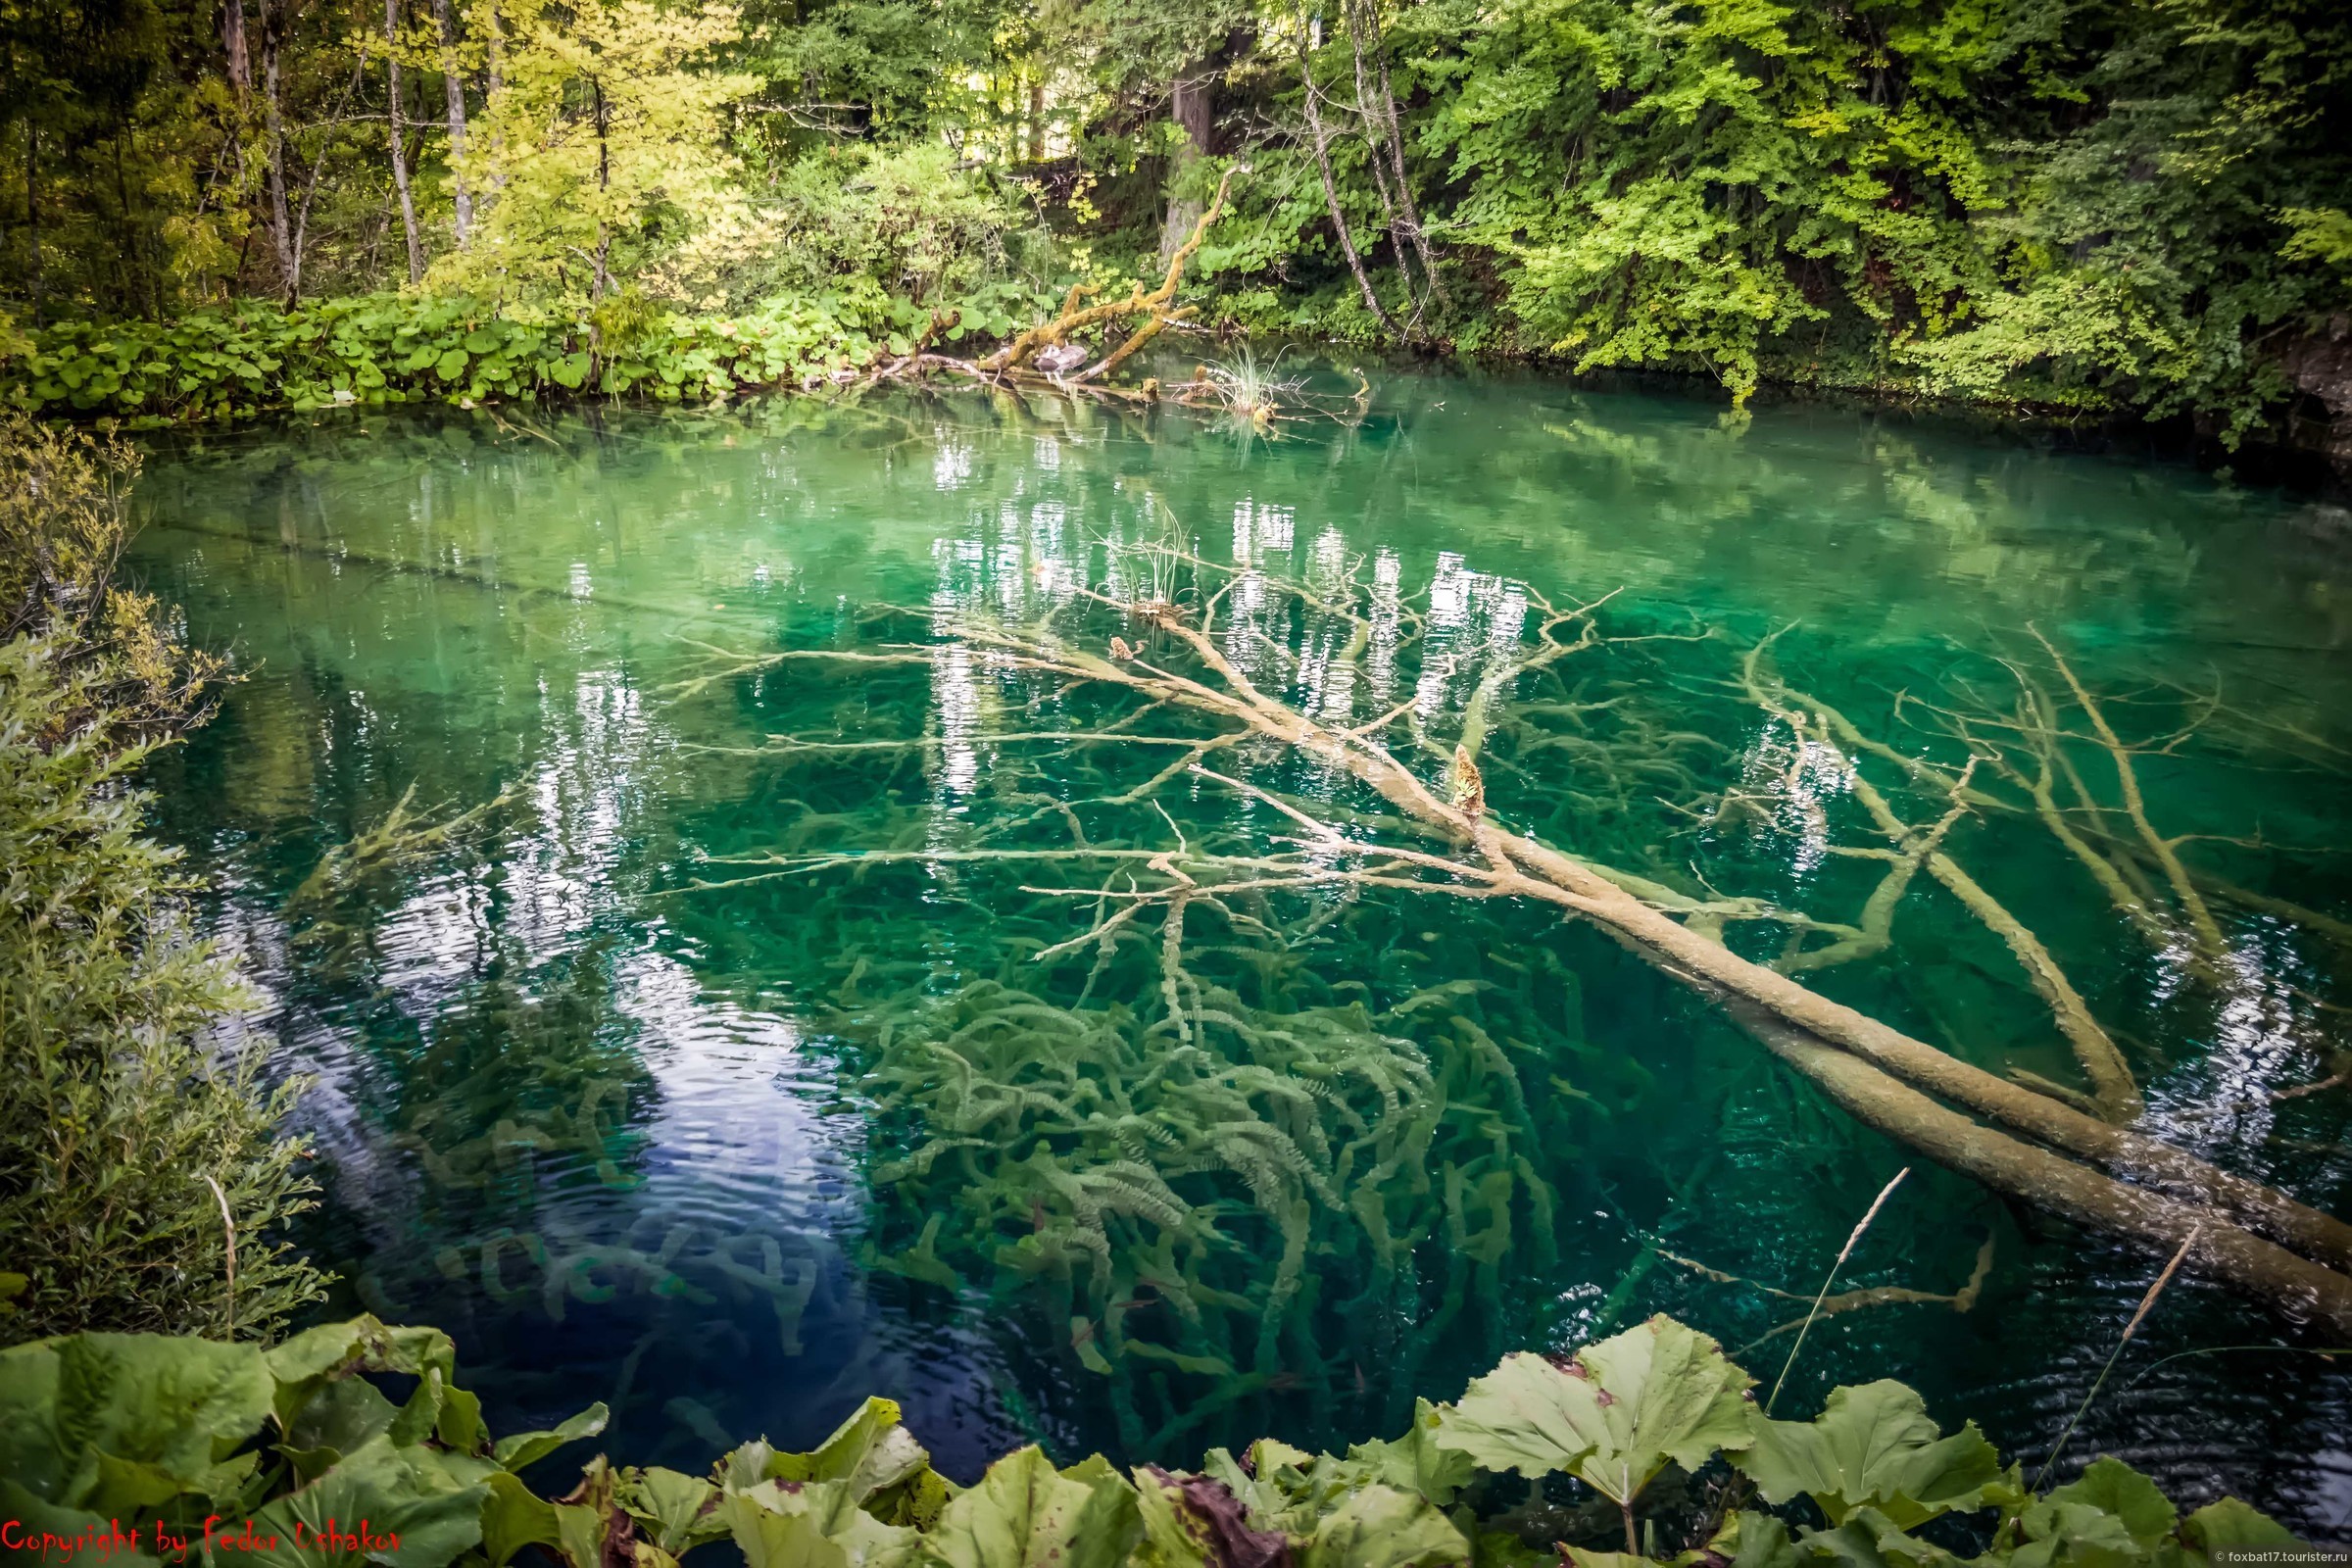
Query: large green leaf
870, 1451
2113, 1487
311, 1360
1417, 1462
787, 1524
1871, 1540
677, 1511
2230, 1523
1612, 1416
1026, 1514
528, 1447
383, 1503
1196, 1522
1381, 1527
98, 1421
32, 1518
1875, 1447
514, 1517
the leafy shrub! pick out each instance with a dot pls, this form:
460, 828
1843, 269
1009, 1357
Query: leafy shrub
911, 219
391, 348
147, 1432
132, 1164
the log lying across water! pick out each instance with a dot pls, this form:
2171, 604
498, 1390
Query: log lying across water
2253, 1237
2068, 1164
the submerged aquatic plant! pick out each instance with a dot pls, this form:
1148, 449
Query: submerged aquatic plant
1219, 1200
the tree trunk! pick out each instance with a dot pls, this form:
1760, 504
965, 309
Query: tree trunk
275, 214
32, 214
1385, 106
1188, 105
1321, 141
400, 152
1376, 111
602, 281
494, 84
1037, 122
455, 84
240, 58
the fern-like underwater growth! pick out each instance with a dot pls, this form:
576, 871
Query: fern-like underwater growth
1253, 1197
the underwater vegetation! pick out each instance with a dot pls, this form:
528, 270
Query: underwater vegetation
1218, 1202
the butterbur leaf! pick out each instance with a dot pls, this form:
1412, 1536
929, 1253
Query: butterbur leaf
2079, 1534
819, 1524
34, 1517
677, 1510
514, 1517
528, 1447
870, 1451
1871, 1539
154, 1405
1582, 1558
1026, 1514
1381, 1527
916, 1500
334, 1422
1613, 1416
1495, 1549
1875, 1447
1417, 1462
1751, 1539
2113, 1487
1196, 1522
316, 1357
375, 1495
2231, 1523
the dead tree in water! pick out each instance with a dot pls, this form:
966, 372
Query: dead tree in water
2059, 1149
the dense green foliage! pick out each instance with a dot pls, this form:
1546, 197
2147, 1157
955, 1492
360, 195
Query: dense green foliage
141, 1176
2071, 203
158, 1433
391, 348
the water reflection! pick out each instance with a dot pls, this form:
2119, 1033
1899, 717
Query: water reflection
727, 1160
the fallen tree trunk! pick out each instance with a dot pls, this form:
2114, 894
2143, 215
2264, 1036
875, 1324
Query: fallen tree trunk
1884, 1077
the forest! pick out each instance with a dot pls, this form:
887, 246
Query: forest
2079, 207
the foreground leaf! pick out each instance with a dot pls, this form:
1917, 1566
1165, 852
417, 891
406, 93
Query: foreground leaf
1612, 1416
383, 1503
818, 1524
1381, 1527
1026, 1514
1417, 1462
1875, 1447
164, 1408
2230, 1524
1196, 1522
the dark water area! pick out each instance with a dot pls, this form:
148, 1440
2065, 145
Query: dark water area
635, 1084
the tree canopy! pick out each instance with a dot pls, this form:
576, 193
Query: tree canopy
2070, 204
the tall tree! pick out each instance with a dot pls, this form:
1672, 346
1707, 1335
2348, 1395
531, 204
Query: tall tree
453, 81
400, 151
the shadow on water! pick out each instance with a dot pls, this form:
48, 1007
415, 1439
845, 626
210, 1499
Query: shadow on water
642, 1113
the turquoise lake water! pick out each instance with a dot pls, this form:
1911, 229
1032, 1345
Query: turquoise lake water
733, 1157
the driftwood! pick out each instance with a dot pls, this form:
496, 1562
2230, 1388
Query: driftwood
1036, 357
1443, 840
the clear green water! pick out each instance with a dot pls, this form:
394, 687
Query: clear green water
634, 1141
